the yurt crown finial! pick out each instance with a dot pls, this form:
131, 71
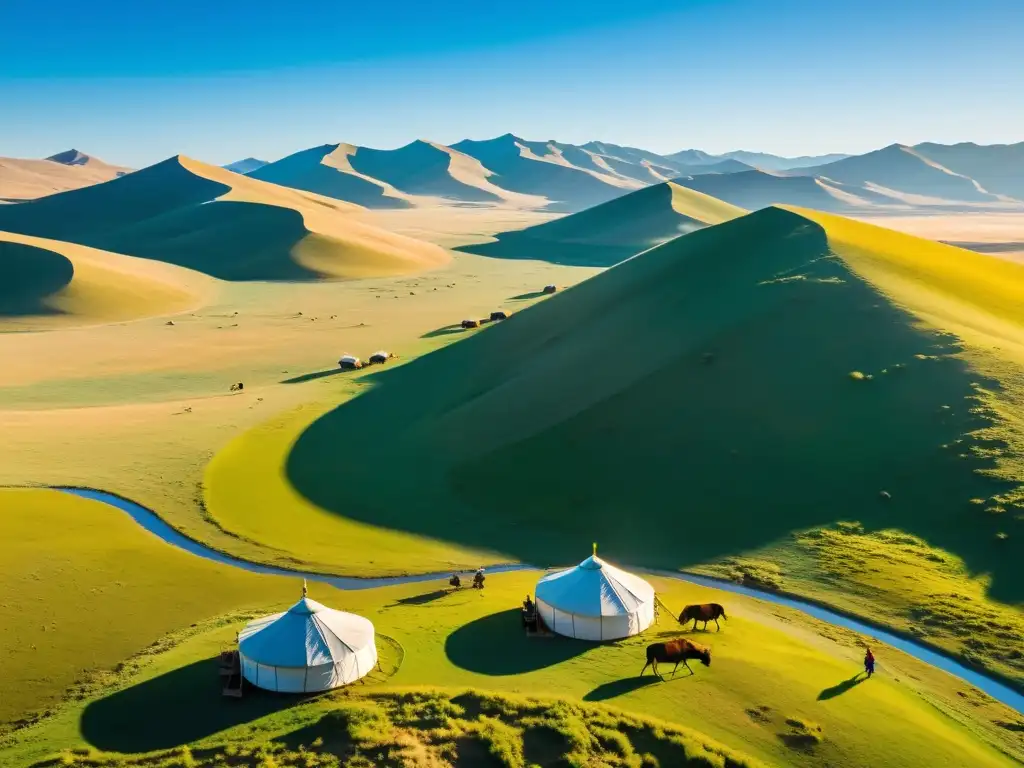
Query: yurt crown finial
303, 587
595, 547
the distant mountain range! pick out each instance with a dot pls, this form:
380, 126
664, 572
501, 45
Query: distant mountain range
248, 165
559, 177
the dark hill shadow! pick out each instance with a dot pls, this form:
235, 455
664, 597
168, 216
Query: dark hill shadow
498, 645
601, 236
841, 688
228, 240
28, 275
548, 431
621, 687
176, 708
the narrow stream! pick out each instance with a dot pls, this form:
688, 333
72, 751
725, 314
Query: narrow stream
155, 525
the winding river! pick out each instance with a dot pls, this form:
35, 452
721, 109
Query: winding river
155, 525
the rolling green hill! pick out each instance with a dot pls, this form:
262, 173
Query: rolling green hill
211, 220
708, 397
608, 233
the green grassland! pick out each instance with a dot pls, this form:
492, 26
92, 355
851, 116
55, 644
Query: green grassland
725, 419
608, 233
781, 690
82, 587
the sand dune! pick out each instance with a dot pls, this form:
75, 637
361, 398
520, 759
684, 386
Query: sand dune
608, 233
428, 169
22, 179
713, 371
327, 170
50, 283
230, 226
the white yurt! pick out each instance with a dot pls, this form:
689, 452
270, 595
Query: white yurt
308, 648
595, 601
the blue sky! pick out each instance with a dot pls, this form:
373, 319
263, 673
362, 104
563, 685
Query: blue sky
134, 82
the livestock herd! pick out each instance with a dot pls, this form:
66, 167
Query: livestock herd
681, 650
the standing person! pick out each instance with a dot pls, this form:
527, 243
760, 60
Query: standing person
869, 662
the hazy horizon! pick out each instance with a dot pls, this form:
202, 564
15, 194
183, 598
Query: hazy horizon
134, 85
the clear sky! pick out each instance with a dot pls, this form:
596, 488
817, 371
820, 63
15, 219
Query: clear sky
136, 81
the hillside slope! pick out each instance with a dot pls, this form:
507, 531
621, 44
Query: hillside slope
709, 396
22, 179
608, 233
230, 226
51, 283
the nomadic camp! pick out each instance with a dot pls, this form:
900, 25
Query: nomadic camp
349, 362
595, 601
308, 648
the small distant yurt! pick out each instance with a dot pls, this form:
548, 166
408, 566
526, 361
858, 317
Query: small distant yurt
595, 601
308, 648
380, 357
350, 362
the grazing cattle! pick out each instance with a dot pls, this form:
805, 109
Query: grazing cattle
678, 650
706, 612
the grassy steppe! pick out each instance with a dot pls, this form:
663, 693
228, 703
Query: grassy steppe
82, 587
781, 689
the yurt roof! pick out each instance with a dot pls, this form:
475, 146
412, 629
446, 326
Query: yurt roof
349, 358
306, 635
595, 588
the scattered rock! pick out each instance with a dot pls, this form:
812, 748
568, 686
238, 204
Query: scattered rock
169, 322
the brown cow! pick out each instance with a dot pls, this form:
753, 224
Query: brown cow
706, 612
678, 650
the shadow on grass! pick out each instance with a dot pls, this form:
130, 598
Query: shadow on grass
426, 597
443, 331
178, 707
843, 687
615, 688
498, 645
313, 376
